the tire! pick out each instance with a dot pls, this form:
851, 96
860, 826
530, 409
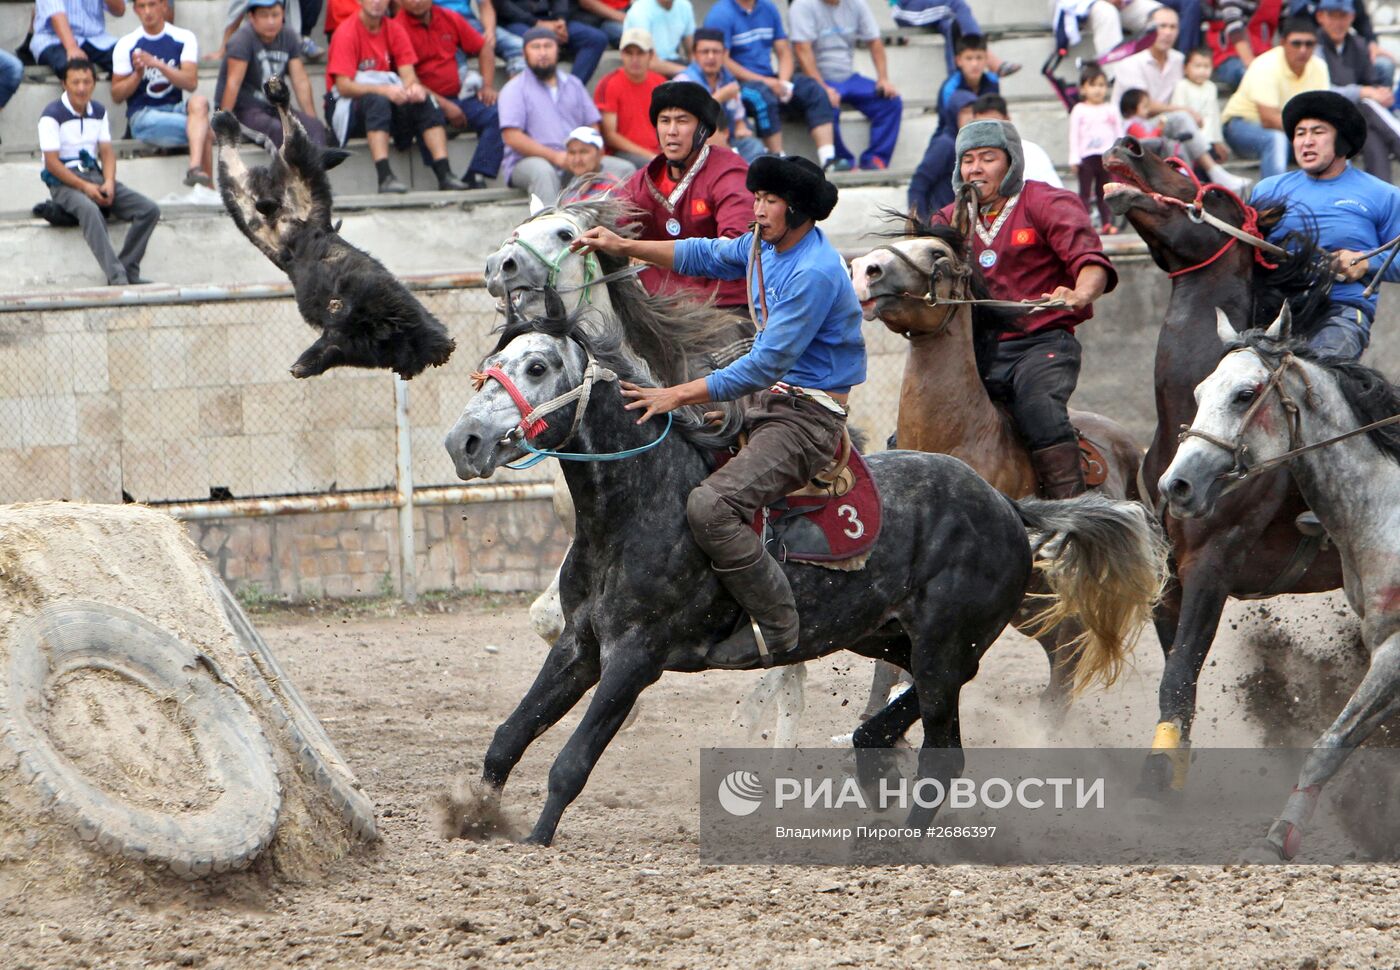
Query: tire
317, 756
72, 635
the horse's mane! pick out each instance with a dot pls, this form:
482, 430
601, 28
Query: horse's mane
607, 349
1366, 390
1303, 278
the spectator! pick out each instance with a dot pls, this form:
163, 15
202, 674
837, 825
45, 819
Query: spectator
1253, 115
824, 35
1197, 93
952, 19
438, 36
539, 108
1355, 77
1039, 168
503, 43
1155, 72
11, 74
583, 160
671, 24
80, 169
373, 90
1241, 31
931, 188
971, 75
1108, 20
604, 15
1381, 60
301, 17
151, 68
692, 189
584, 43
264, 48
65, 29
753, 33
708, 69
624, 98
1094, 125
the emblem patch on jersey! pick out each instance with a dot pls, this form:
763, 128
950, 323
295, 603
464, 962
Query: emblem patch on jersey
988, 258
1023, 237
699, 208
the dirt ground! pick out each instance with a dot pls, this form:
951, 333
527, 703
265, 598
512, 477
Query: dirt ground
412, 699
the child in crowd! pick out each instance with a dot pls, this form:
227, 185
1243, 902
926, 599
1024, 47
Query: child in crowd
1133, 108
1196, 92
971, 74
1094, 125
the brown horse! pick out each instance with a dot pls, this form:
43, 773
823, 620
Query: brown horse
943, 406
1249, 547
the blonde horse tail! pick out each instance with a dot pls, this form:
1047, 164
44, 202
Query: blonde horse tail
1105, 562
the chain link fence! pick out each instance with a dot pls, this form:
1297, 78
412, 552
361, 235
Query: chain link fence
185, 396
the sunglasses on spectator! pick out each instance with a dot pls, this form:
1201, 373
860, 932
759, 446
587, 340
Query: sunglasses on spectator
1302, 44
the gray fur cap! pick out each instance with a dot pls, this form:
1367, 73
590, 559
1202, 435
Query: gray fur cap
992, 134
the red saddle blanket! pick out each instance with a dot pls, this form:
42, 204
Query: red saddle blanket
826, 527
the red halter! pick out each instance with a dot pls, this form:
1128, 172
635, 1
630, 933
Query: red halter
1250, 224
531, 429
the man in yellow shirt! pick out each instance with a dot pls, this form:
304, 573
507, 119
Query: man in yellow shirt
1253, 117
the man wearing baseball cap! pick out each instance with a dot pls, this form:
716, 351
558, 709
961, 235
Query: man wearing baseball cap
623, 97
808, 354
1031, 241
261, 48
1350, 211
690, 189
583, 160
1360, 80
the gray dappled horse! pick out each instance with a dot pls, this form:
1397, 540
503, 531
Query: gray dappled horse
1268, 397
950, 568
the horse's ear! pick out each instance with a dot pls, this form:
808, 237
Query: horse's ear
537, 205
1225, 329
1282, 328
554, 305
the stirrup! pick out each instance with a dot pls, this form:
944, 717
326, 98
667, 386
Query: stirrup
1309, 525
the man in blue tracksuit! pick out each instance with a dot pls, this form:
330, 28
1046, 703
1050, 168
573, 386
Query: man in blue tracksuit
1351, 211
808, 354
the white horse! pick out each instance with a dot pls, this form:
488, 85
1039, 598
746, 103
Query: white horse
1336, 425
672, 339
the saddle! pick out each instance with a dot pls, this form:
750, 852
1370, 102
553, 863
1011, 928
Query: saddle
833, 519
1091, 459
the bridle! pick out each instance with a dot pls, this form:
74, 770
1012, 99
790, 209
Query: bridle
532, 423
1246, 232
592, 271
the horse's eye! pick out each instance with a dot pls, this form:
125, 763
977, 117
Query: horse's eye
1244, 395
566, 235
537, 369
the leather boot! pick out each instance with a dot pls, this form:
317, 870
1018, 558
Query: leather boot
1059, 470
770, 628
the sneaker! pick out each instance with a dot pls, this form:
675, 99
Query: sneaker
1008, 68
837, 165
311, 51
197, 176
390, 184
449, 183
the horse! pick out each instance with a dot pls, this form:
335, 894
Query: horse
916, 286
950, 568
1335, 425
1249, 546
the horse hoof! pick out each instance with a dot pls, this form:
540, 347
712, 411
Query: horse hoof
1262, 853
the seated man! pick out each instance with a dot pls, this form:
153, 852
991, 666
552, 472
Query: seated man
261, 49
1032, 242
808, 354
1252, 119
583, 160
708, 69
151, 67
11, 74
538, 109
691, 190
373, 90
624, 98
584, 43
1351, 212
604, 15
65, 29
671, 24
1355, 76
438, 37
824, 35
753, 32
80, 169
952, 19
505, 44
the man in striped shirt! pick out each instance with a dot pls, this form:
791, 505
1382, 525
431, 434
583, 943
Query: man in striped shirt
80, 169
67, 29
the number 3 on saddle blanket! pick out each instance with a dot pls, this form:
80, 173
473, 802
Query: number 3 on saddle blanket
833, 521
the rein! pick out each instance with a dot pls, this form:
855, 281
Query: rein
1248, 232
1241, 469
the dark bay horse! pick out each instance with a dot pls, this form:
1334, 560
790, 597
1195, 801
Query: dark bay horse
951, 566
1249, 546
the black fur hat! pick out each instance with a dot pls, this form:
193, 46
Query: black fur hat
688, 96
795, 180
1332, 108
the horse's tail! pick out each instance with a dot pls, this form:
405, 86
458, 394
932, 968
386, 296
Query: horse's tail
1106, 563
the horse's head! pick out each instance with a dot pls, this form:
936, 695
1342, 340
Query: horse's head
900, 281
1245, 414
537, 256
540, 360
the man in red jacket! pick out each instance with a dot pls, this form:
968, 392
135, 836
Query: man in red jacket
691, 189
1031, 241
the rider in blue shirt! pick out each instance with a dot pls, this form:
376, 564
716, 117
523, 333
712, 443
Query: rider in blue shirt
1351, 212
806, 357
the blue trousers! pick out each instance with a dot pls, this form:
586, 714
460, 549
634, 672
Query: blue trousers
586, 45
884, 113
1251, 140
808, 102
951, 18
55, 58
1189, 13
482, 121
11, 73
1345, 334
509, 47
